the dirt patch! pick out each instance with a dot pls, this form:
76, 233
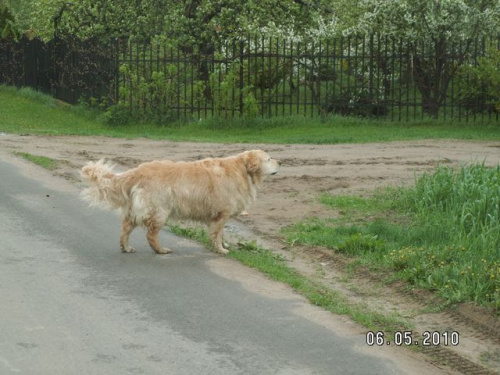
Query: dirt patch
307, 171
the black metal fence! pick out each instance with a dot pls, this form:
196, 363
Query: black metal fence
356, 76
162, 80
67, 68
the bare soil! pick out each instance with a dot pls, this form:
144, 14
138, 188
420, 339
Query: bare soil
290, 196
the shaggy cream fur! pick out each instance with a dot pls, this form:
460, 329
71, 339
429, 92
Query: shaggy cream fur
209, 191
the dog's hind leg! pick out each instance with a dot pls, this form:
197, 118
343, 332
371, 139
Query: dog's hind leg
127, 228
154, 226
216, 229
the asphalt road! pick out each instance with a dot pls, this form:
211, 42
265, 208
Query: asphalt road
72, 303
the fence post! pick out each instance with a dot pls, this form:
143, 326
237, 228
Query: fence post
117, 71
241, 78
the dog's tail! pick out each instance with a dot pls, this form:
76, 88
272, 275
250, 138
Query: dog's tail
106, 190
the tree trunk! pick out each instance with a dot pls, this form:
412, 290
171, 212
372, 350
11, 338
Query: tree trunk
431, 74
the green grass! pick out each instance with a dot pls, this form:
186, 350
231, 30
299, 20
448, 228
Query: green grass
27, 111
194, 232
42, 161
274, 266
442, 235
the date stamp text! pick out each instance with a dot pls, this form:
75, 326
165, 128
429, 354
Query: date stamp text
409, 338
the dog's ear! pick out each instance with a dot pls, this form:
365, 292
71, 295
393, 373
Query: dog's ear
252, 162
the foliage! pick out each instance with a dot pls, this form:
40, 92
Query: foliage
228, 95
8, 21
152, 94
214, 22
438, 20
98, 18
22, 10
247, 76
196, 21
225, 93
482, 93
355, 101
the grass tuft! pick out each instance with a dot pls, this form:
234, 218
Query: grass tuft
42, 161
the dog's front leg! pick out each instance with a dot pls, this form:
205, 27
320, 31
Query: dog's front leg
216, 230
154, 227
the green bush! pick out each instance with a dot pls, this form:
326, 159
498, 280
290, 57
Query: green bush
230, 98
118, 115
481, 93
152, 93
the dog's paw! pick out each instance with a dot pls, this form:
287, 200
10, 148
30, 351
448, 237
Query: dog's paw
163, 250
127, 249
222, 251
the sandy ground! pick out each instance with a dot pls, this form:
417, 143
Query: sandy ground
306, 171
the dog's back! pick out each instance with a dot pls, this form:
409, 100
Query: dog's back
183, 190
179, 190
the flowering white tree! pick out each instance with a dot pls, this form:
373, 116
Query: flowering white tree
194, 20
453, 20
431, 30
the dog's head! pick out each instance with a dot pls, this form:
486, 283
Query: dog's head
259, 163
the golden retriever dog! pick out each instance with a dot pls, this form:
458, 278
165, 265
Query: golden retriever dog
210, 191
